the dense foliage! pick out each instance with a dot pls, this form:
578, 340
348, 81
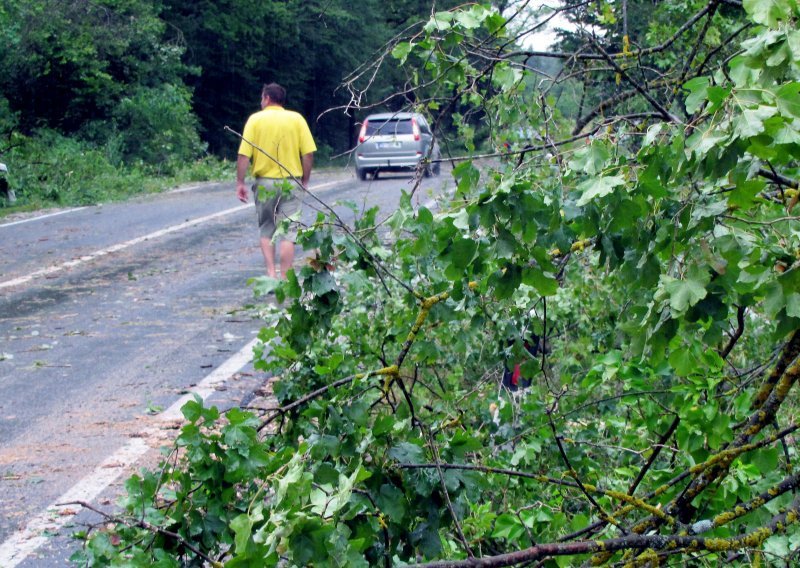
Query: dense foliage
148, 85
299, 44
647, 254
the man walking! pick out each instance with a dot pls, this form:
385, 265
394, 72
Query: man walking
285, 137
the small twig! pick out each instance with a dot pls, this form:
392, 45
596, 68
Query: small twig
456, 522
654, 455
147, 526
737, 334
762, 223
603, 515
300, 401
657, 105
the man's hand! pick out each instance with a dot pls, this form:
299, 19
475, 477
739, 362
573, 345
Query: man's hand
307, 160
241, 191
242, 163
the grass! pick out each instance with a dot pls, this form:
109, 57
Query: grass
50, 170
37, 190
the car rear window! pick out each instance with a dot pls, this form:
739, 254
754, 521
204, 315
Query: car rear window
389, 127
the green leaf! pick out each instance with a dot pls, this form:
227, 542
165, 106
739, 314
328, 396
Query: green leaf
701, 143
507, 282
698, 92
545, 284
263, 285
406, 452
768, 12
716, 96
462, 253
392, 502
439, 22
508, 526
426, 537
683, 293
788, 99
598, 187
322, 283
242, 526
653, 132
745, 192
471, 19
793, 41
461, 220
579, 521
467, 176
402, 50
683, 361
193, 409
593, 158
766, 460
793, 305
506, 76
752, 121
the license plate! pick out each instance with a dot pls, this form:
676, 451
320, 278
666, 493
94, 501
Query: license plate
385, 145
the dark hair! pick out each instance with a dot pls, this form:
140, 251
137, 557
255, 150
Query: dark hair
275, 92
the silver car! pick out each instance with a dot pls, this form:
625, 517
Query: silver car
395, 142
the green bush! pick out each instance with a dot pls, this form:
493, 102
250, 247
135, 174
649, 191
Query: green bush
8, 119
48, 168
156, 126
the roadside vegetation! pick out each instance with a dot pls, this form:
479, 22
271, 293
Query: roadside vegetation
624, 233
48, 169
105, 99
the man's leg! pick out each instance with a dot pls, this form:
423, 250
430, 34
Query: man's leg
266, 209
268, 250
286, 250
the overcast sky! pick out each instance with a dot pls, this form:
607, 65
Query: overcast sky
544, 38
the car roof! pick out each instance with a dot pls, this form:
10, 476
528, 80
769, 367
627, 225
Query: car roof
392, 116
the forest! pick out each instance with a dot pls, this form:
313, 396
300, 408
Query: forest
103, 98
586, 355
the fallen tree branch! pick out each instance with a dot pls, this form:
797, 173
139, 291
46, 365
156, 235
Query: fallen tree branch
689, 543
668, 116
148, 527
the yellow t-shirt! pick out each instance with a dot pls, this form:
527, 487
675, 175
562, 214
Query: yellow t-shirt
284, 135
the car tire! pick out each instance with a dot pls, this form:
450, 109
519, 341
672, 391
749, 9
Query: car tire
361, 173
436, 169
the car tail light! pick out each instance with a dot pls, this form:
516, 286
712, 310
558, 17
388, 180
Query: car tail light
415, 129
362, 136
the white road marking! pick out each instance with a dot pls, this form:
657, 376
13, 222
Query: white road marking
116, 248
329, 184
28, 220
121, 246
189, 188
23, 543
26, 541
207, 386
193, 187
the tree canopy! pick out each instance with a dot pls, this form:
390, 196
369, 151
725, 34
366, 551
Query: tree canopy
635, 255
161, 74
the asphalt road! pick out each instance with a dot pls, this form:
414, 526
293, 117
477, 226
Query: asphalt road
108, 316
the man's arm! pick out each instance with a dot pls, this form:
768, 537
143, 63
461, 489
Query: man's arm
308, 163
242, 163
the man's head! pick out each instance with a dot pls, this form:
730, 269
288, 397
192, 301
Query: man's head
273, 94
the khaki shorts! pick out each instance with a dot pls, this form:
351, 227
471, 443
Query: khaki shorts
274, 205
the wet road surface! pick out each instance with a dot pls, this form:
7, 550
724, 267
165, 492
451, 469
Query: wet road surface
108, 315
